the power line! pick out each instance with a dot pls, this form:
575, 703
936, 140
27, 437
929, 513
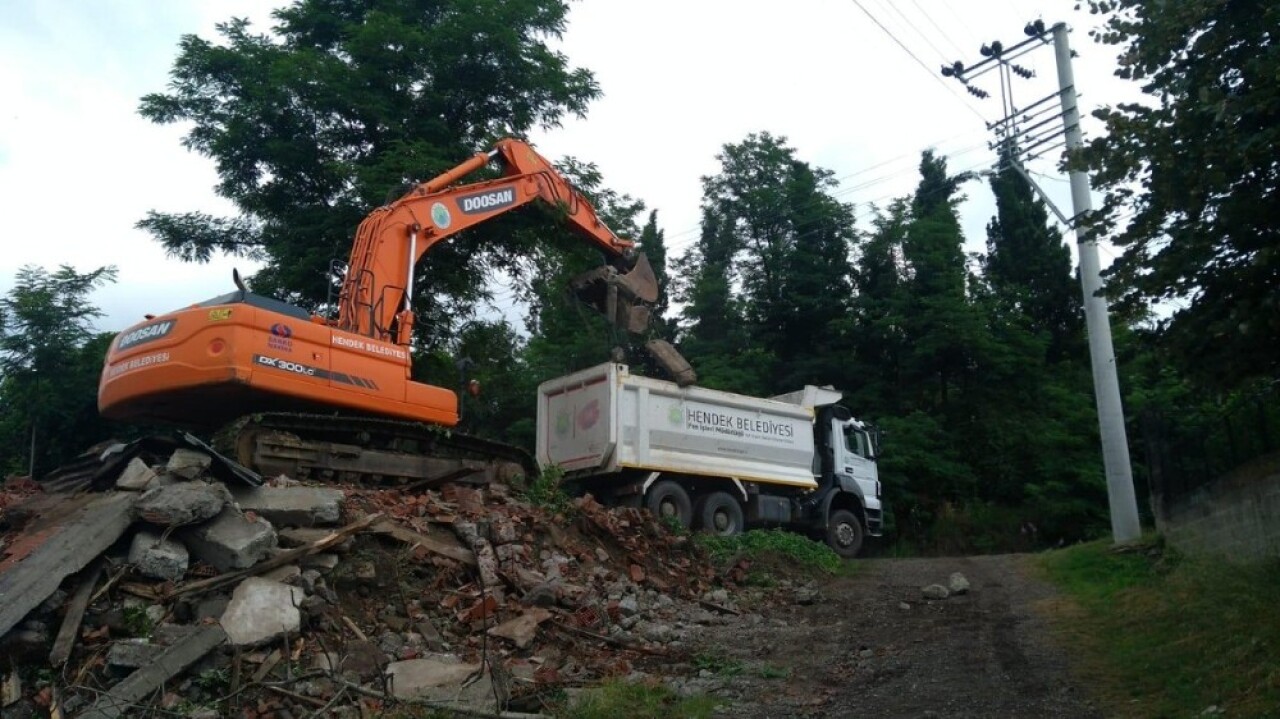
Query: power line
919, 61
941, 32
894, 8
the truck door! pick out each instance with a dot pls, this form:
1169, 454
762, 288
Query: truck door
854, 456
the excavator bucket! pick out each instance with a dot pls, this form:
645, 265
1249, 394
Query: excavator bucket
640, 282
620, 296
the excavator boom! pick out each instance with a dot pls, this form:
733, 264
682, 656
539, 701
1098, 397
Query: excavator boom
375, 298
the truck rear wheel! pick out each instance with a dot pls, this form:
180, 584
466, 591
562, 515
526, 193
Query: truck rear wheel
720, 514
668, 501
844, 533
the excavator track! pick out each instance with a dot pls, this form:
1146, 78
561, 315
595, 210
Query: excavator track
369, 450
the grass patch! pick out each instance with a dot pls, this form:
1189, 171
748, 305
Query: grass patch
763, 543
718, 664
1159, 635
616, 699
547, 491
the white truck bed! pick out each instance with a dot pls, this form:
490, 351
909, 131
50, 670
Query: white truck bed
604, 419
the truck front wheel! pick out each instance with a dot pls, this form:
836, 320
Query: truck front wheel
844, 533
720, 514
669, 502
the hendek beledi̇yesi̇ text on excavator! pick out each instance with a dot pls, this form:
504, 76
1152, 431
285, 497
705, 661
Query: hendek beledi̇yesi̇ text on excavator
333, 398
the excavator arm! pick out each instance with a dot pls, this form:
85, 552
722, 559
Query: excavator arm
375, 300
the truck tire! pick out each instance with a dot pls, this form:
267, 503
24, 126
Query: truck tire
844, 533
720, 514
666, 499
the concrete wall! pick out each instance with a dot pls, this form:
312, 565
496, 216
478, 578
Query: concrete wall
1236, 518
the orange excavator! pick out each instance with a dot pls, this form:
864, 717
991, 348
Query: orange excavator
333, 398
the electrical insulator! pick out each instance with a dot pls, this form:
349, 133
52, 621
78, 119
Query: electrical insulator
997, 48
947, 71
985, 50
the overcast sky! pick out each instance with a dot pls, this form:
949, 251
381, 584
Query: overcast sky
79, 166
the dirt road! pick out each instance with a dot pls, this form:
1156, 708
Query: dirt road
872, 646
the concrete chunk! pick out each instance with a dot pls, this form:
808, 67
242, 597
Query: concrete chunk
137, 476
521, 630
293, 506
935, 591
132, 653
158, 558
231, 540
440, 678
188, 463
183, 503
261, 610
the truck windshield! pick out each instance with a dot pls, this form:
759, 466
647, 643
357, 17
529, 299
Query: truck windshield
856, 441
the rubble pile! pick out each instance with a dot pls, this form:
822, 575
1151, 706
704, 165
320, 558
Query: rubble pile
183, 586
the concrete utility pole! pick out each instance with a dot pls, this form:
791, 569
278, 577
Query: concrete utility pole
1025, 130
1115, 446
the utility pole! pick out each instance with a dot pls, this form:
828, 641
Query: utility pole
1106, 385
1025, 126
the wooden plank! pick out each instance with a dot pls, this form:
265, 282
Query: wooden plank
431, 544
149, 677
68, 549
66, 638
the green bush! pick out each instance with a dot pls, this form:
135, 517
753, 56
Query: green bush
759, 543
547, 491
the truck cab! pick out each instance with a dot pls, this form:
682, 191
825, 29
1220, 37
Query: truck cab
848, 479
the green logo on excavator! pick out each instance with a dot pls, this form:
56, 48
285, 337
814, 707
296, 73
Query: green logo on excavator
440, 216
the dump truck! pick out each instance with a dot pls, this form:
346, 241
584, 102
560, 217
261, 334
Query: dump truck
711, 460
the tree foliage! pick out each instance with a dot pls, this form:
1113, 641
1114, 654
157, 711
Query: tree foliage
767, 284
1198, 164
50, 360
320, 120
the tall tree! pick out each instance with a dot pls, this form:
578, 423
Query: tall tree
1198, 164
1029, 266
770, 272
653, 243
816, 277
50, 361
317, 122
715, 337
940, 324
876, 322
